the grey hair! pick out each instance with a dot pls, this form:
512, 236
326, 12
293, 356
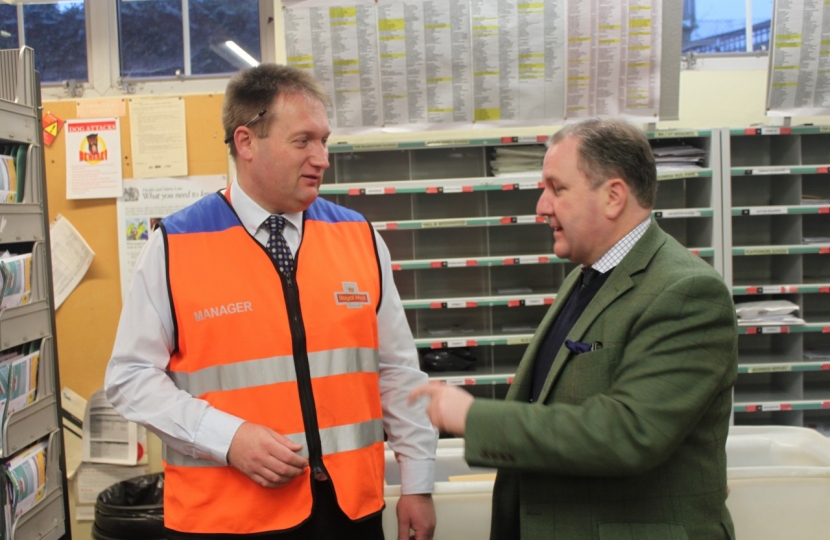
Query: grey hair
614, 149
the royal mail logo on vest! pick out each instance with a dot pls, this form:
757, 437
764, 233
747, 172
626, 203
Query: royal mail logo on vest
351, 297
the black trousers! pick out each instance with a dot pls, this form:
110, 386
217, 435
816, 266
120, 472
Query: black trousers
327, 522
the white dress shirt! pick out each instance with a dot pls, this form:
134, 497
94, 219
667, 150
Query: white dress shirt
139, 388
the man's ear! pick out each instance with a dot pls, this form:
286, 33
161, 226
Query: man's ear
616, 194
245, 144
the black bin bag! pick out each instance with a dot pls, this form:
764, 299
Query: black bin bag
131, 510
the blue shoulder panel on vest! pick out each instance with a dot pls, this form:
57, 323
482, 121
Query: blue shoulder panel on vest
323, 210
208, 214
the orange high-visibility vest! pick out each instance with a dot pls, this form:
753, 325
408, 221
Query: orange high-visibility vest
299, 355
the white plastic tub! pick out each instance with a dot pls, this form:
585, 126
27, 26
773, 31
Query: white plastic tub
462, 508
779, 479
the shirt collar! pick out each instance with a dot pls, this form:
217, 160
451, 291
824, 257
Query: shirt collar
252, 215
619, 250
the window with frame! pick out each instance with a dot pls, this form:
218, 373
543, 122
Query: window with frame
169, 38
57, 33
720, 26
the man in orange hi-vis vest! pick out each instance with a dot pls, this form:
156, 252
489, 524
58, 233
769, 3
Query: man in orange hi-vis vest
265, 343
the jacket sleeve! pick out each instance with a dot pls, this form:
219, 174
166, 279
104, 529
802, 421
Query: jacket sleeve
679, 360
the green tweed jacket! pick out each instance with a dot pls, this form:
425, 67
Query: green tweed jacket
626, 442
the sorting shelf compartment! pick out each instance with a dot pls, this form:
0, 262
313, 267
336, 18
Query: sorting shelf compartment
777, 239
473, 263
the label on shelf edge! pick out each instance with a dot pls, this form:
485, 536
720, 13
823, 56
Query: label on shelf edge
681, 213
456, 263
674, 134
528, 260
455, 304
535, 302
525, 219
771, 170
455, 382
379, 226
768, 210
768, 369
770, 131
771, 407
776, 289
375, 191
775, 329
452, 223
529, 185
453, 189
766, 251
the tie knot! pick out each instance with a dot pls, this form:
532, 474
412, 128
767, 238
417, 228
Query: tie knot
588, 275
275, 223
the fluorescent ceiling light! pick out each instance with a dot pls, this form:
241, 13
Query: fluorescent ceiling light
240, 52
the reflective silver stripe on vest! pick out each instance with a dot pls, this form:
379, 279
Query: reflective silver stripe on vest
335, 439
278, 369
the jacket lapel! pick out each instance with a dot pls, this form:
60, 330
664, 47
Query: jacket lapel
618, 283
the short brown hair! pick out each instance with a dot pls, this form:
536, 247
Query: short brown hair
614, 148
254, 89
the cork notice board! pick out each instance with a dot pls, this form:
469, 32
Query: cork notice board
87, 321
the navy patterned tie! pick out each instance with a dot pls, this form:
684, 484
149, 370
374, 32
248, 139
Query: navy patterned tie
276, 246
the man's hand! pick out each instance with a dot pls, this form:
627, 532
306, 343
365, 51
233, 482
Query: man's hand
447, 408
265, 456
416, 512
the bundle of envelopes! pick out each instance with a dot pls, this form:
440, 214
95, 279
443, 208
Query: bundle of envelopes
18, 379
768, 312
12, 172
516, 160
679, 157
15, 280
25, 483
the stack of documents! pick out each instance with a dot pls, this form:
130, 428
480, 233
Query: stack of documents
108, 437
768, 312
18, 380
814, 199
517, 160
26, 486
15, 280
12, 172
680, 157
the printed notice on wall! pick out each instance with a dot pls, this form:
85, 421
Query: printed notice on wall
157, 132
71, 257
144, 203
93, 158
799, 70
405, 65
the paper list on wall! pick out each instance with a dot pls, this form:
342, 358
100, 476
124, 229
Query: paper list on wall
518, 67
477, 61
799, 73
348, 51
424, 61
613, 58
641, 51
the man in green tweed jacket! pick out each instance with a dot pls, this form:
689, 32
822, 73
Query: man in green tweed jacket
615, 425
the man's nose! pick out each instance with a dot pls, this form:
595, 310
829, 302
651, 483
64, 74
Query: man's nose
544, 206
320, 157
